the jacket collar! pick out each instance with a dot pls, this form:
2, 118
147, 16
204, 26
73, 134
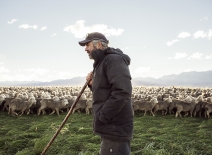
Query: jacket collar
98, 55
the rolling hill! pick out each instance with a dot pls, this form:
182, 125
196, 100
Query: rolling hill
189, 79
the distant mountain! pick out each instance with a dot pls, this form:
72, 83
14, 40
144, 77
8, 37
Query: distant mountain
138, 81
189, 79
76, 81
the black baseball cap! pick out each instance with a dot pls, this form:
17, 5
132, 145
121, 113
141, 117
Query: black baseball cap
93, 36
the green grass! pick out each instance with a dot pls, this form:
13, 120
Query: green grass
159, 135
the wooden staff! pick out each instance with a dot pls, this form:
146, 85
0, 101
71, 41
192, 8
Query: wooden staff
66, 118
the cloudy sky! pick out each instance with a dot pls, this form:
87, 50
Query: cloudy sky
39, 38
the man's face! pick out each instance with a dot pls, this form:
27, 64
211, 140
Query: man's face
89, 48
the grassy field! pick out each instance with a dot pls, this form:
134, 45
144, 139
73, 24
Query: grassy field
159, 135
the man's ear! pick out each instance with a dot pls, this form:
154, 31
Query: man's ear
99, 45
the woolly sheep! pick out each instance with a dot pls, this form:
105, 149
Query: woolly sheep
184, 106
145, 105
2, 97
54, 105
20, 105
163, 105
89, 104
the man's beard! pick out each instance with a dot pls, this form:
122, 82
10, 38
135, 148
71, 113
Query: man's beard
90, 56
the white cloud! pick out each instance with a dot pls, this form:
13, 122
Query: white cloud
39, 71
208, 57
199, 34
34, 74
79, 30
12, 21
196, 55
169, 43
43, 28
184, 35
26, 26
179, 56
54, 34
205, 18
210, 34
3, 69
203, 34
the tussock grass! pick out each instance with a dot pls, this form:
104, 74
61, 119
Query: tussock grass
159, 135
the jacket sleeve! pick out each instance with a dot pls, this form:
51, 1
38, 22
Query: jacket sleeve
119, 78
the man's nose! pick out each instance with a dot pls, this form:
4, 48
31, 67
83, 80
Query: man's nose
86, 49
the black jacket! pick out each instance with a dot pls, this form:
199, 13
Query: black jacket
112, 88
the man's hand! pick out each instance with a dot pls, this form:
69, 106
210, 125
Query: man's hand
89, 78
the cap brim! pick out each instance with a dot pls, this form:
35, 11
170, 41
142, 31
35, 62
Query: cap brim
82, 43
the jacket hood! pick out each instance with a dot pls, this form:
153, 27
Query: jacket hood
98, 55
125, 57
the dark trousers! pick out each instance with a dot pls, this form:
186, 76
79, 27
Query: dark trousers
109, 147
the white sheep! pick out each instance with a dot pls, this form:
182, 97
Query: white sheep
2, 97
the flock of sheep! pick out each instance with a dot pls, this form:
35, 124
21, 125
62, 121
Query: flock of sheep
48, 100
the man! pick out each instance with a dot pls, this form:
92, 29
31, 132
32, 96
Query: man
111, 88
